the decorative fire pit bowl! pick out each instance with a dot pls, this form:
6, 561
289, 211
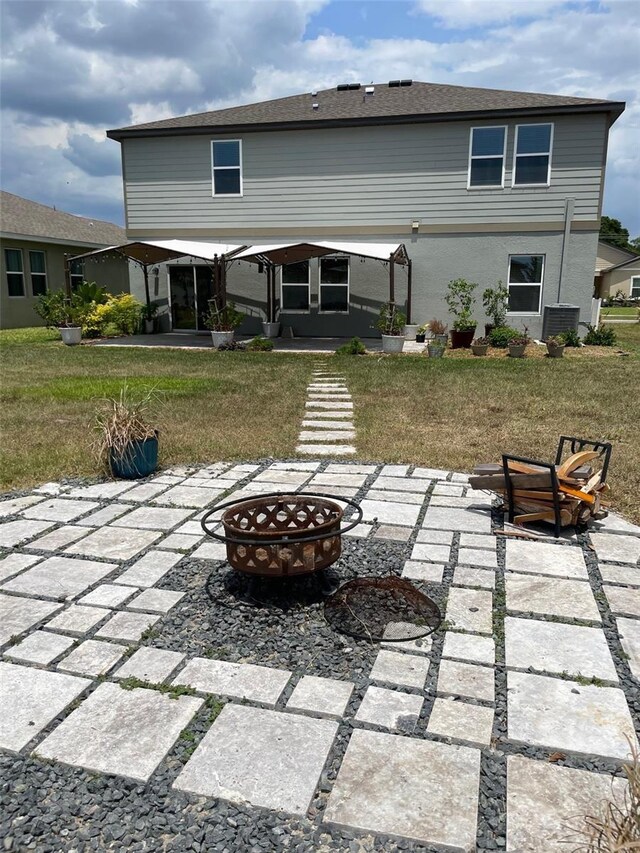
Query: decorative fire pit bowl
281, 535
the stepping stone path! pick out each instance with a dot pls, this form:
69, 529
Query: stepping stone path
126, 686
327, 426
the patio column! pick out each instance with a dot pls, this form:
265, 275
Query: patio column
273, 294
409, 277
145, 272
392, 283
269, 296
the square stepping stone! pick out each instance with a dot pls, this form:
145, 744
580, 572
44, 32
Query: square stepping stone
568, 599
470, 610
401, 484
12, 506
30, 698
623, 601
543, 558
314, 423
399, 668
435, 537
421, 646
359, 531
17, 615
284, 478
59, 509
349, 468
390, 709
430, 473
295, 466
615, 523
92, 658
394, 785
396, 497
558, 714
465, 576
237, 680
478, 540
189, 497
616, 547
450, 518
461, 721
124, 732
180, 542
554, 647
460, 503
77, 619
210, 551
152, 518
150, 664
466, 679
629, 630
469, 647
14, 533
105, 515
426, 572
151, 568
433, 553
114, 543
40, 647
388, 512
326, 449
189, 528
156, 600
102, 491
261, 757
13, 564
545, 802
59, 577
326, 435
326, 697
625, 575
390, 531
57, 539
145, 491
107, 595
477, 557
448, 489
127, 626
396, 471
329, 405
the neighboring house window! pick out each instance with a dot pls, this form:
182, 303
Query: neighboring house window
532, 155
295, 286
15, 272
226, 158
76, 273
635, 287
486, 156
38, 273
526, 273
334, 285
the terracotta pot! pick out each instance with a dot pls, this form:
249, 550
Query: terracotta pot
555, 351
220, 338
462, 340
517, 350
392, 343
71, 335
479, 349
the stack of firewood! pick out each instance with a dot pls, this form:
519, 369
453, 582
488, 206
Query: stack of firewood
580, 491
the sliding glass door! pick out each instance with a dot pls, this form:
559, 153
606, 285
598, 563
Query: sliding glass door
190, 290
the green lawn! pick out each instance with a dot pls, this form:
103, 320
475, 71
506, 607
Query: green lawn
621, 311
449, 413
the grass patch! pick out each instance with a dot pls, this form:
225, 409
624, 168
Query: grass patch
173, 691
618, 311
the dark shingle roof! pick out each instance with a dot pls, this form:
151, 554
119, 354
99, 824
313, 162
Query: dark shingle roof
417, 102
29, 218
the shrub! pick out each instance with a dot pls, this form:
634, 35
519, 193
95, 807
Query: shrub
223, 319
603, 336
502, 336
354, 347
119, 315
391, 321
56, 309
437, 327
260, 344
496, 302
570, 338
460, 300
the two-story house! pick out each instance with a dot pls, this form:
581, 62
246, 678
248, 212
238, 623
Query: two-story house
480, 184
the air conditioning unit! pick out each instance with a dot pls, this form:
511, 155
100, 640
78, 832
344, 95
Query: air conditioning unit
559, 317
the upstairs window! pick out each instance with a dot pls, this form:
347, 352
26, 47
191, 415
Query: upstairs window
295, 287
76, 273
532, 155
226, 159
526, 273
334, 285
486, 156
15, 272
38, 273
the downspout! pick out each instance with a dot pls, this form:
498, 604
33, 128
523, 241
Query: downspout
569, 207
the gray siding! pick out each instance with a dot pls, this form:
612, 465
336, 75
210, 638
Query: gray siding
355, 177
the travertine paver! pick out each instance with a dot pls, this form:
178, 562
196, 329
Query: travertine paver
615, 523
433, 553
466, 576
156, 600
150, 664
103, 491
434, 537
543, 558
554, 647
334, 479
57, 539
17, 615
105, 515
460, 503
390, 531
327, 435
30, 698
450, 518
326, 450
40, 647
397, 471
460, 678
478, 540
616, 547
152, 518
59, 577
420, 646
390, 709
59, 509
114, 543
127, 732
451, 718
127, 626
92, 658
13, 564
145, 491
285, 478
623, 601
477, 557
13, 533
469, 647
555, 713
188, 496
569, 599
625, 575
451, 489
402, 484
107, 595
470, 610
314, 423
629, 630
210, 550
14, 505
328, 405
390, 513
396, 497
262, 757
397, 668
148, 570
427, 572
238, 680
326, 697
394, 785
546, 802
77, 619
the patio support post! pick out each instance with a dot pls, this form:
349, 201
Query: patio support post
409, 276
67, 277
216, 282
269, 302
392, 284
223, 282
273, 294
145, 271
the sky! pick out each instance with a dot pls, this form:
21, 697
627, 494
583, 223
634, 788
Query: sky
71, 69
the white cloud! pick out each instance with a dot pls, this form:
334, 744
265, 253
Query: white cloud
464, 14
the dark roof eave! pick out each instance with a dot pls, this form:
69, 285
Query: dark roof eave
614, 108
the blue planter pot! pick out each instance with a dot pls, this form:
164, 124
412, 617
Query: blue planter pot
140, 460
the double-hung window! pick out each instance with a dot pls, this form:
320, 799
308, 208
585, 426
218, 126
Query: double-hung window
226, 161
295, 286
38, 272
635, 287
15, 272
532, 155
486, 156
334, 285
76, 273
526, 274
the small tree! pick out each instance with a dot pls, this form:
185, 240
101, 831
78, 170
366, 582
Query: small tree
496, 303
391, 321
461, 301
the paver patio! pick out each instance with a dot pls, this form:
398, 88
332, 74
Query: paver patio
424, 744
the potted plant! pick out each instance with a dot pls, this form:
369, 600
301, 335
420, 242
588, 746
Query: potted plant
496, 303
127, 446
438, 331
555, 346
410, 331
435, 348
461, 300
391, 326
517, 346
149, 313
270, 329
222, 322
63, 313
421, 333
480, 346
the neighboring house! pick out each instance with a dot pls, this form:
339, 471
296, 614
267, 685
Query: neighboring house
617, 271
34, 241
482, 184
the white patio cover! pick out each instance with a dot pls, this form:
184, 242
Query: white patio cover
378, 251
167, 250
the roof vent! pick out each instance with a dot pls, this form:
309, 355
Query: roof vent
406, 82
345, 87
314, 94
369, 90
315, 105
394, 84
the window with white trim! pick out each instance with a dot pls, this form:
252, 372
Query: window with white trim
76, 273
38, 271
486, 156
15, 272
526, 274
226, 163
295, 290
532, 155
334, 286
635, 287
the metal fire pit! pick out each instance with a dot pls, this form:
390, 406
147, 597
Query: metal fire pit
388, 608
281, 535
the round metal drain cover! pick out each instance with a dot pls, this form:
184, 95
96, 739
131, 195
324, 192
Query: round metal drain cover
388, 608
